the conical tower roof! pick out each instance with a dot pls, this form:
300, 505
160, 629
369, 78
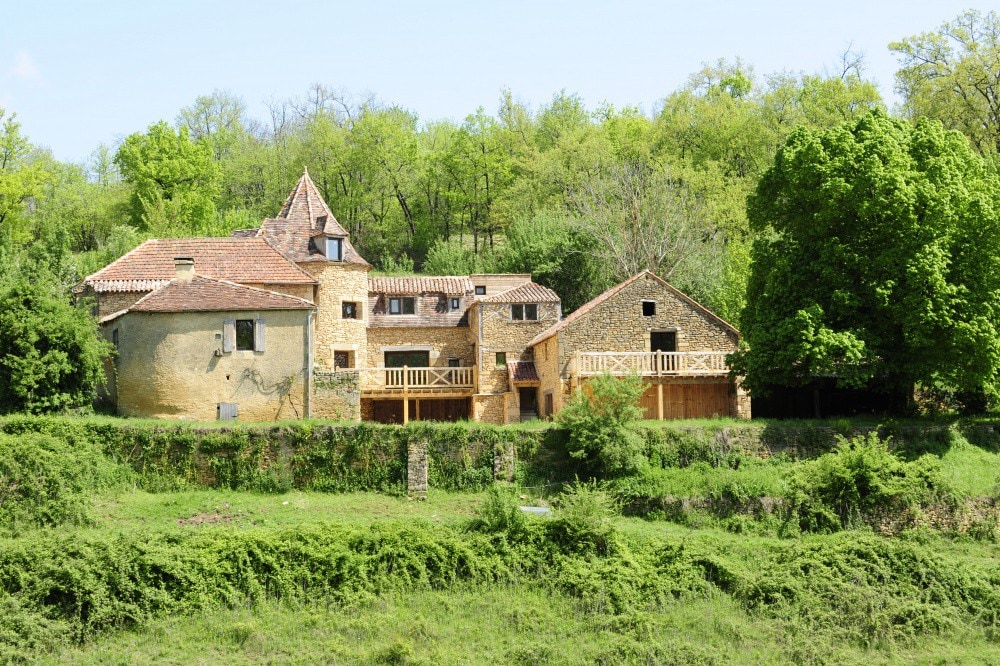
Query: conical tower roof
302, 218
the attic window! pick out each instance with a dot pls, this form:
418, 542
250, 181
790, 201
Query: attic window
455, 303
480, 290
648, 308
334, 248
402, 305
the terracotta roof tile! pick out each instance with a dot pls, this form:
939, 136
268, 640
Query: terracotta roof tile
526, 293
521, 372
244, 260
202, 294
304, 216
582, 311
447, 284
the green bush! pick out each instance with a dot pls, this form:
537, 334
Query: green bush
584, 520
859, 479
46, 482
600, 422
500, 514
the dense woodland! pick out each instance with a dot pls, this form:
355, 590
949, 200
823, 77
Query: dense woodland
579, 197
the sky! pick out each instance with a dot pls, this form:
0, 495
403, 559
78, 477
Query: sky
79, 74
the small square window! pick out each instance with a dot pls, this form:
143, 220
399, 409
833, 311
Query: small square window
456, 303
402, 305
244, 334
480, 290
349, 310
342, 359
501, 359
648, 308
517, 312
531, 311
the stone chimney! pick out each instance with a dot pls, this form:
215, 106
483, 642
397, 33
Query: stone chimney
184, 268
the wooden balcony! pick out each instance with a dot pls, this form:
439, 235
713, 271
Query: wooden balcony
429, 382
652, 364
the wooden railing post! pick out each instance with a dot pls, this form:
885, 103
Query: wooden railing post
406, 396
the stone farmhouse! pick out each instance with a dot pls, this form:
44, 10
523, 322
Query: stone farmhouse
283, 321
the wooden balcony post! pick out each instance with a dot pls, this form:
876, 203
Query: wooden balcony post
406, 395
659, 386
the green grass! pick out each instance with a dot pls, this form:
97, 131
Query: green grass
501, 625
970, 470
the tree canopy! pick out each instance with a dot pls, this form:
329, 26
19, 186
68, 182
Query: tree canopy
877, 261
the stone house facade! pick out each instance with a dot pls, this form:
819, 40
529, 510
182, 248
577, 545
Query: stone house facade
486, 347
644, 325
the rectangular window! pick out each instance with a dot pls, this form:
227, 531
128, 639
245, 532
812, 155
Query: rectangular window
349, 310
531, 311
402, 305
517, 312
480, 290
455, 303
244, 334
501, 359
114, 338
454, 362
648, 308
411, 359
335, 249
342, 359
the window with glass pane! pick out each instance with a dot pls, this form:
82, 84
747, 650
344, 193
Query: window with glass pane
531, 311
244, 334
517, 312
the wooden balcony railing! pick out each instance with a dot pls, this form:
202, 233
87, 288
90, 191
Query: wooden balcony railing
407, 379
652, 363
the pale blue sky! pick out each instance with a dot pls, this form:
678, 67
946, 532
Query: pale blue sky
79, 74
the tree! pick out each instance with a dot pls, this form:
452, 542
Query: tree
877, 262
174, 180
51, 357
21, 179
954, 75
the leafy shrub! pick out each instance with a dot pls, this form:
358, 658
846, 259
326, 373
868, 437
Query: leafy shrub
584, 520
599, 419
499, 513
856, 481
45, 482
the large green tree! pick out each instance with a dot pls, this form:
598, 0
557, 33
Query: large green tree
51, 357
175, 180
953, 75
877, 261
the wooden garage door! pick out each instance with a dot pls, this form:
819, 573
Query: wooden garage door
688, 401
391, 411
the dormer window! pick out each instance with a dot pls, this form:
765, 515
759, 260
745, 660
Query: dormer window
334, 249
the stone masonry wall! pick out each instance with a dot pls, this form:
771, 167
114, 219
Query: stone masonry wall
546, 356
111, 302
445, 343
338, 283
488, 408
336, 395
499, 333
618, 324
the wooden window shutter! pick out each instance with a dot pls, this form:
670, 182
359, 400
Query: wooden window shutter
228, 335
258, 336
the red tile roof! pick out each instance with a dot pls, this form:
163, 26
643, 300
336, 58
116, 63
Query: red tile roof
243, 260
304, 216
582, 311
522, 372
447, 284
203, 294
526, 293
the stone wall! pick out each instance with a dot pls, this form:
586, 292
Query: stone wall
336, 395
110, 302
546, 356
618, 324
443, 343
303, 291
497, 332
170, 365
338, 283
416, 470
489, 408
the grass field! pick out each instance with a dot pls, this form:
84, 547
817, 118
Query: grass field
209, 576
